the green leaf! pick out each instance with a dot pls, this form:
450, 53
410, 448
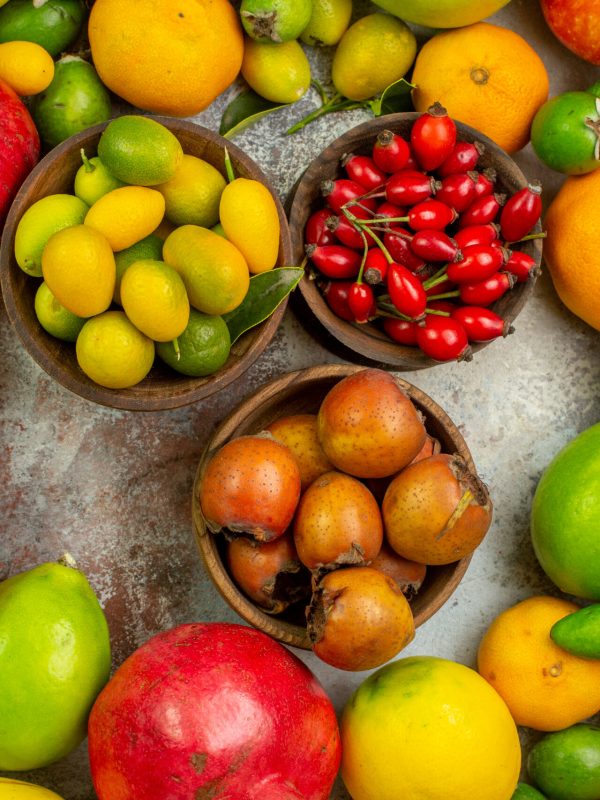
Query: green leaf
267, 290
246, 108
394, 98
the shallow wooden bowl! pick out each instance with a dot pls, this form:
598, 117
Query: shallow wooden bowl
302, 393
369, 340
163, 388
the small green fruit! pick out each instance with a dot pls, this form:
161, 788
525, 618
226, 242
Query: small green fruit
579, 633
566, 764
54, 660
275, 20
328, 22
565, 133
93, 180
526, 792
203, 346
54, 24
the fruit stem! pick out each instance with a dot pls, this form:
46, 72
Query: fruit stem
445, 295
389, 310
333, 104
529, 237
89, 167
229, 166
67, 560
176, 348
437, 277
381, 220
437, 312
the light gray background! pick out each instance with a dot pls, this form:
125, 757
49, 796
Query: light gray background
113, 487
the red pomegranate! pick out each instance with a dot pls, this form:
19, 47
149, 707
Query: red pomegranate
213, 711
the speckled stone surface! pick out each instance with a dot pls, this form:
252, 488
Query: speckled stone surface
113, 488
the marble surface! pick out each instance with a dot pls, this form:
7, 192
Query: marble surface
113, 488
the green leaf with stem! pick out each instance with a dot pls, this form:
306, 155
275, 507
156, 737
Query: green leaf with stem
245, 109
394, 98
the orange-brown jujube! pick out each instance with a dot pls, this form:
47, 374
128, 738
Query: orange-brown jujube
368, 426
251, 485
436, 511
358, 619
337, 522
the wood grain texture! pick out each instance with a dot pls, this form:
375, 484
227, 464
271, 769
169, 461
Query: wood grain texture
163, 388
369, 340
301, 392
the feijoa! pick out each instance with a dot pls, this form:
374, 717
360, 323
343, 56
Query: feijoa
566, 764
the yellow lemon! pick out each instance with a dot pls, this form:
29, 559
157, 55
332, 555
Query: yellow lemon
214, 271
249, 218
39, 222
26, 67
154, 298
425, 727
277, 72
79, 267
11, 789
126, 215
374, 52
113, 352
192, 195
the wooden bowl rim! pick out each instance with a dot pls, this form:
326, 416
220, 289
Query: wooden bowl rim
358, 337
131, 399
281, 629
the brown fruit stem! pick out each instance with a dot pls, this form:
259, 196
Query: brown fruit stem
479, 75
67, 560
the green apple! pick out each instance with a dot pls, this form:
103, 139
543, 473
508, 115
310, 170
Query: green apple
442, 13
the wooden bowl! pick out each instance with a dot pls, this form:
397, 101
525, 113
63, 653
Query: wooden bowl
369, 340
163, 387
302, 392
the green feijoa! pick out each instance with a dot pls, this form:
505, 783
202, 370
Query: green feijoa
75, 99
579, 633
565, 133
54, 24
275, 20
566, 765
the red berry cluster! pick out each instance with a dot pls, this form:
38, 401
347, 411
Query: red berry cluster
417, 236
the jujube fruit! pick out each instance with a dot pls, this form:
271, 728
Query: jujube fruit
299, 433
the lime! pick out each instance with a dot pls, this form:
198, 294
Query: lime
275, 20
113, 352
277, 72
192, 195
328, 22
93, 180
75, 100
126, 215
39, 222
150, 247
526, 792
54, 24
373, 53
79, 268
54, 317
139, 150
566, 764
565, 133
214, 271
54, 660
154, 298
565, 517
203, 346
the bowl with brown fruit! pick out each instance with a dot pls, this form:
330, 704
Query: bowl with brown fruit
338, 482
421, 239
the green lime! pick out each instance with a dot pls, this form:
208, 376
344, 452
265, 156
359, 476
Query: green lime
275, 20
54, 24
566, 764
54, 317
41, 220
526, 792
579, 633
139, 150
93, 180
328, 22
203, 346
113, 352
565, 517
192, 195
150, 247
75, 100
565, 133
54, 660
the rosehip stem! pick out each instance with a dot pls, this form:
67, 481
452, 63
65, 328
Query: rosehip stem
529, 237
391, 310
381, 220
444, 296
437, 277
437, 312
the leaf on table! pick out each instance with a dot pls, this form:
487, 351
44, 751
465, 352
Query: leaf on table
267, 290
395, 98
245, 109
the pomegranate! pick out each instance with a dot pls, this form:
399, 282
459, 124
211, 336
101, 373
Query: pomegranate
213, 711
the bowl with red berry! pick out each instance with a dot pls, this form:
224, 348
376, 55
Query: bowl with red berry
421, 238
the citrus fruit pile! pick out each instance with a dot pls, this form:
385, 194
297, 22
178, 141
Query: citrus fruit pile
147, 255
344, 509
416, 238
